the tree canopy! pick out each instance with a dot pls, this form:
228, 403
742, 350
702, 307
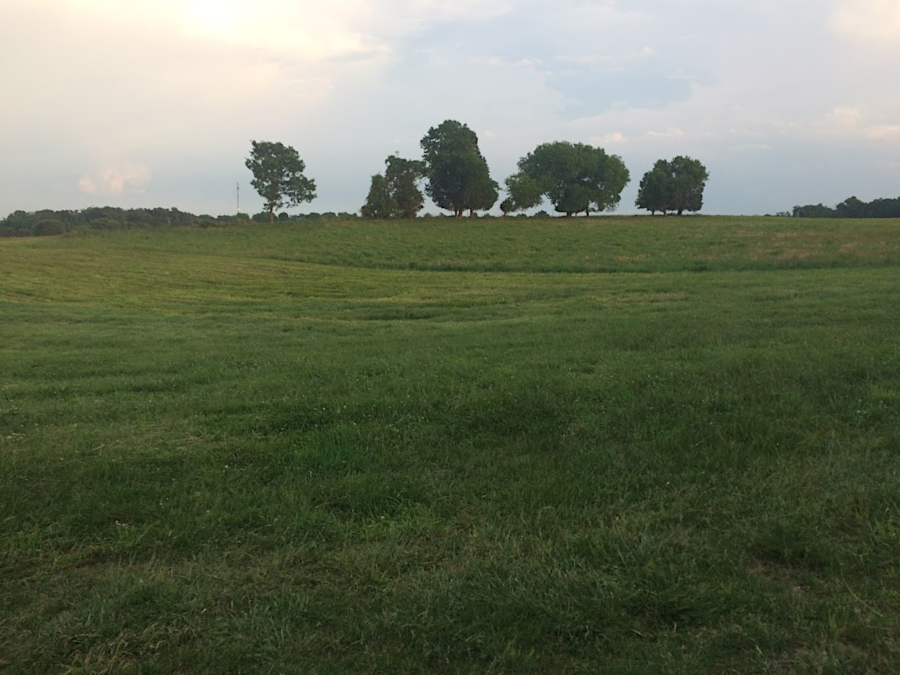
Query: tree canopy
673, 185
396, 193
657, 190
575, 177
689, 177
458, 175
852, 207
278, 176
379, 203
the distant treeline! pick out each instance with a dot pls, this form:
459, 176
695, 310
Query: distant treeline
851, 208
47, 222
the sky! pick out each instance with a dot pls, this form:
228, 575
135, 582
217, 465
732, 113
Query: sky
151, 103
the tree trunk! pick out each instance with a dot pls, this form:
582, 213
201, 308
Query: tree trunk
272, 215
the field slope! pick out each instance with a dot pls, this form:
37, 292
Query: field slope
617, 445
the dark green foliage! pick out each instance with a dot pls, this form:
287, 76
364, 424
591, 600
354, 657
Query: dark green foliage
396, 194
379, 202
49, 227
278, 176
657, 190
402, 176
575, 178
458, 175
105, 224
22, 224
674, 185
852, 208
524, 191
689, 178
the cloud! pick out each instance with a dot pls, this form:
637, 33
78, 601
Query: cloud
851, 122
868, 22
102, 93
884, 132
114, 180
844, 116
615, 138
671, 132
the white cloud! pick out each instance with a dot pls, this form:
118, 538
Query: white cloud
615, 138
671, 132
851, 122
868, 22
183, 85
114, 180
844, 116
884, 132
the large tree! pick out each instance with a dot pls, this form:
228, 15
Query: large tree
673, 185
278, 176
524, 192
379, 202
458, 175
396, 193
403, 176
689, 178
575, 177
657, 189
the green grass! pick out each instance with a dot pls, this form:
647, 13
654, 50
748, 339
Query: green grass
622, 445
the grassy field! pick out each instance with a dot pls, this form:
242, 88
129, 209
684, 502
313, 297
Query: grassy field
615, 445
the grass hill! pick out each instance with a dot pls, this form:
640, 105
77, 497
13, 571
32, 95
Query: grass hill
619, 445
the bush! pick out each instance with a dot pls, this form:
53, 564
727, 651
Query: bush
49, 227
104, 224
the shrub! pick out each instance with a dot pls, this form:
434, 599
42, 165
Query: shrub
49, 227
104, 224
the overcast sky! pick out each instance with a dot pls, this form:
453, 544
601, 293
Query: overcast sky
155, 102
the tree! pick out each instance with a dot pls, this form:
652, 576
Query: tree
379, 203
524, 192
396, 193
278, 176
402, 176
657, 189
852, 207
674, 185
575, 177
458, 175
689, 178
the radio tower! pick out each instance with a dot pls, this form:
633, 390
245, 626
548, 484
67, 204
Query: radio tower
239, 197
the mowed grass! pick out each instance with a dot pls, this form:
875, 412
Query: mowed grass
616, 445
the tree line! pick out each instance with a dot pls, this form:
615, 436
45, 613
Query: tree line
574, 177
851, 208
51, 222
